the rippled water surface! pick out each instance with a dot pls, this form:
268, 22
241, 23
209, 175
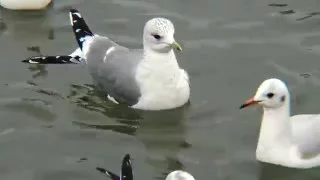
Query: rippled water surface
53, 125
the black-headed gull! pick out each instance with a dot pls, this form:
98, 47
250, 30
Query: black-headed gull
287, 141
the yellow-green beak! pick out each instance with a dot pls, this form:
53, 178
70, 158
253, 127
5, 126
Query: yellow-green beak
177, 46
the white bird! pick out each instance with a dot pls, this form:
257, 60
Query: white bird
148, 78
179, 175
25, 4
287, 141
126, 172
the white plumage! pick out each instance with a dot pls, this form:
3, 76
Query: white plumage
284, 140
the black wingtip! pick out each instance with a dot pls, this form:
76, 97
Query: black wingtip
126, 162
53, 60
73, 10
25, 61
79, 27
127, 157
102, 170
126, 168
110, 174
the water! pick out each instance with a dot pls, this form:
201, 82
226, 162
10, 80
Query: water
54, 126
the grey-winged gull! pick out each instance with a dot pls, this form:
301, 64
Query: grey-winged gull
284, 140
126, 172
148, 78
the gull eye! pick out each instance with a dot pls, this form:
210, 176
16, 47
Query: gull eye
156, 36
270, 95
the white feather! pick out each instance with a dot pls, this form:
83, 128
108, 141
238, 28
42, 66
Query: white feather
179, 175
163, 84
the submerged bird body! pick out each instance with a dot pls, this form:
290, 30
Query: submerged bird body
148, 78
284, 140
127, 174
25, 4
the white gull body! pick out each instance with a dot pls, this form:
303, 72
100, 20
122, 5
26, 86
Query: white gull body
179, 175
25, 4
287, 141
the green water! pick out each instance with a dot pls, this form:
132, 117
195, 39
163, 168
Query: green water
54, 126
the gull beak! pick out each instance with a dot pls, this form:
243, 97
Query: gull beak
249, 102
176, 45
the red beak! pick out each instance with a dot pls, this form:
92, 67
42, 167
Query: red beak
249, 103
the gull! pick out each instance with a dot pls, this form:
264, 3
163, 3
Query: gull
126, 172
149, 78
287, 141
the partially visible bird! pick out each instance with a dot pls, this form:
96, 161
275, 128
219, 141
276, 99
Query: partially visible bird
25, 4
290, 141
126, 172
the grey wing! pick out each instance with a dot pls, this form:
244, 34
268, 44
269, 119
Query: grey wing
113, 69
306, 132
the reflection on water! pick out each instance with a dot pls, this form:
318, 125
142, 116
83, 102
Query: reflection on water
61, 174
88, 97
33, 23
223, 41
33, 86
161, 132
39, 70
269, 171
33, 107
163, 135
3, 26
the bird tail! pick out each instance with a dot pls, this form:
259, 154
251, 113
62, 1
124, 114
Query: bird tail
80, 28
53, 60
126, 170
82, 34
110, 174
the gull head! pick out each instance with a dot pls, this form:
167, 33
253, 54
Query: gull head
179, 175
158, 36
272, 93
